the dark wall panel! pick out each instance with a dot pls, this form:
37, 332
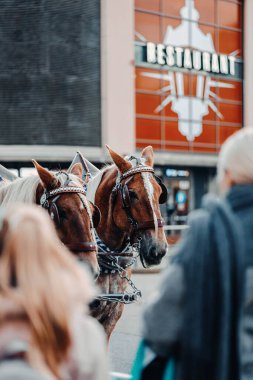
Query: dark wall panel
50, 72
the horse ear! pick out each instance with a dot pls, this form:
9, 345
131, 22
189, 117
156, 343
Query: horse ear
77, 170
148, 154
122, 164
48, 179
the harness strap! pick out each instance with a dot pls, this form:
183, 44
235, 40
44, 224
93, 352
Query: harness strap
60, 190
138, 169
86, 246
148, 224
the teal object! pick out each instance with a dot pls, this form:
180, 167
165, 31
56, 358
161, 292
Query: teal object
169, 373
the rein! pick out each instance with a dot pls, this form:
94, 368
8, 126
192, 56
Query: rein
48, 201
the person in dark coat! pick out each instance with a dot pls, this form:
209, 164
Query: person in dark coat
202, 313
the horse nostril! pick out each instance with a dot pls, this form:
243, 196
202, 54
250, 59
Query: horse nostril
157, 251
163, 250
153, 251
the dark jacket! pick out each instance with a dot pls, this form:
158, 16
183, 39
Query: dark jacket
202, 313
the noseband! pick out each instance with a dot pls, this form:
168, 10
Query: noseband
48, 201
123, 190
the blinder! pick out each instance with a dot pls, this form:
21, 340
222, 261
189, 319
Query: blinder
96, 216
125, 197
53, 212
164, 195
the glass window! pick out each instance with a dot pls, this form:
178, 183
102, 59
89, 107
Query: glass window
229, 14
206, 11
147, 104
148, 129
230, 42
225, 132
153, 5
172, 8
147, 26
147, 83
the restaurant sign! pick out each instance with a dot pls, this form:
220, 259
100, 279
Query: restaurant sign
186, 58
180, 52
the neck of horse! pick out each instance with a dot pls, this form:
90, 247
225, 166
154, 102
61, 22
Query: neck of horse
107, 230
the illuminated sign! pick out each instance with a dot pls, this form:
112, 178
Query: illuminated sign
186, 47
190, 59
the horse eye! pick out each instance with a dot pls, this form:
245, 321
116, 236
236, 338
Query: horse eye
133, 194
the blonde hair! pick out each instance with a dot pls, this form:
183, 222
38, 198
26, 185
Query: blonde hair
42, 278
236, 156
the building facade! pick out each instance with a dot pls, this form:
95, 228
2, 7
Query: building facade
189, 88
50, 80
128, 73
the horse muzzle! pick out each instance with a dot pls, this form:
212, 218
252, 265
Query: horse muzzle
152, 252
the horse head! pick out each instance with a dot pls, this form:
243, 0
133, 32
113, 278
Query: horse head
135, 203
63, 196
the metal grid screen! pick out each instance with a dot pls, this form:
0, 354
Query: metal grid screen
50, 72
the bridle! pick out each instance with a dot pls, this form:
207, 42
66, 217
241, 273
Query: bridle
48, 201
123, 191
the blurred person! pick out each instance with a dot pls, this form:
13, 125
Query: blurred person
44, 295
18, 369
202, 313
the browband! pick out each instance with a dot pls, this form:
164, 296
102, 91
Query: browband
138, 169
60, 190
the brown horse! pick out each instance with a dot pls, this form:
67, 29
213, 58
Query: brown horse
63, 196
128, 196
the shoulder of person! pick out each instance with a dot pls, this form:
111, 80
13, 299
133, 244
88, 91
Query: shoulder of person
87, 329
203, 215
88, 349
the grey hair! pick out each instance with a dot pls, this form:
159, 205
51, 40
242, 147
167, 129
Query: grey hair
236, 156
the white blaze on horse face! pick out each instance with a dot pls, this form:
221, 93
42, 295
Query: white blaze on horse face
150, 191
82, 207
85, 204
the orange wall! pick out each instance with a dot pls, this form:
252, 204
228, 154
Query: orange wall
220, 18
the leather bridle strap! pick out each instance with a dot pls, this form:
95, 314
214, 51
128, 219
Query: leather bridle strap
138, 169
60, 190
125, 200
82, 247
148, 224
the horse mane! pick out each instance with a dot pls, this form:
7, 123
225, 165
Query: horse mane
95, 181
23, 190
